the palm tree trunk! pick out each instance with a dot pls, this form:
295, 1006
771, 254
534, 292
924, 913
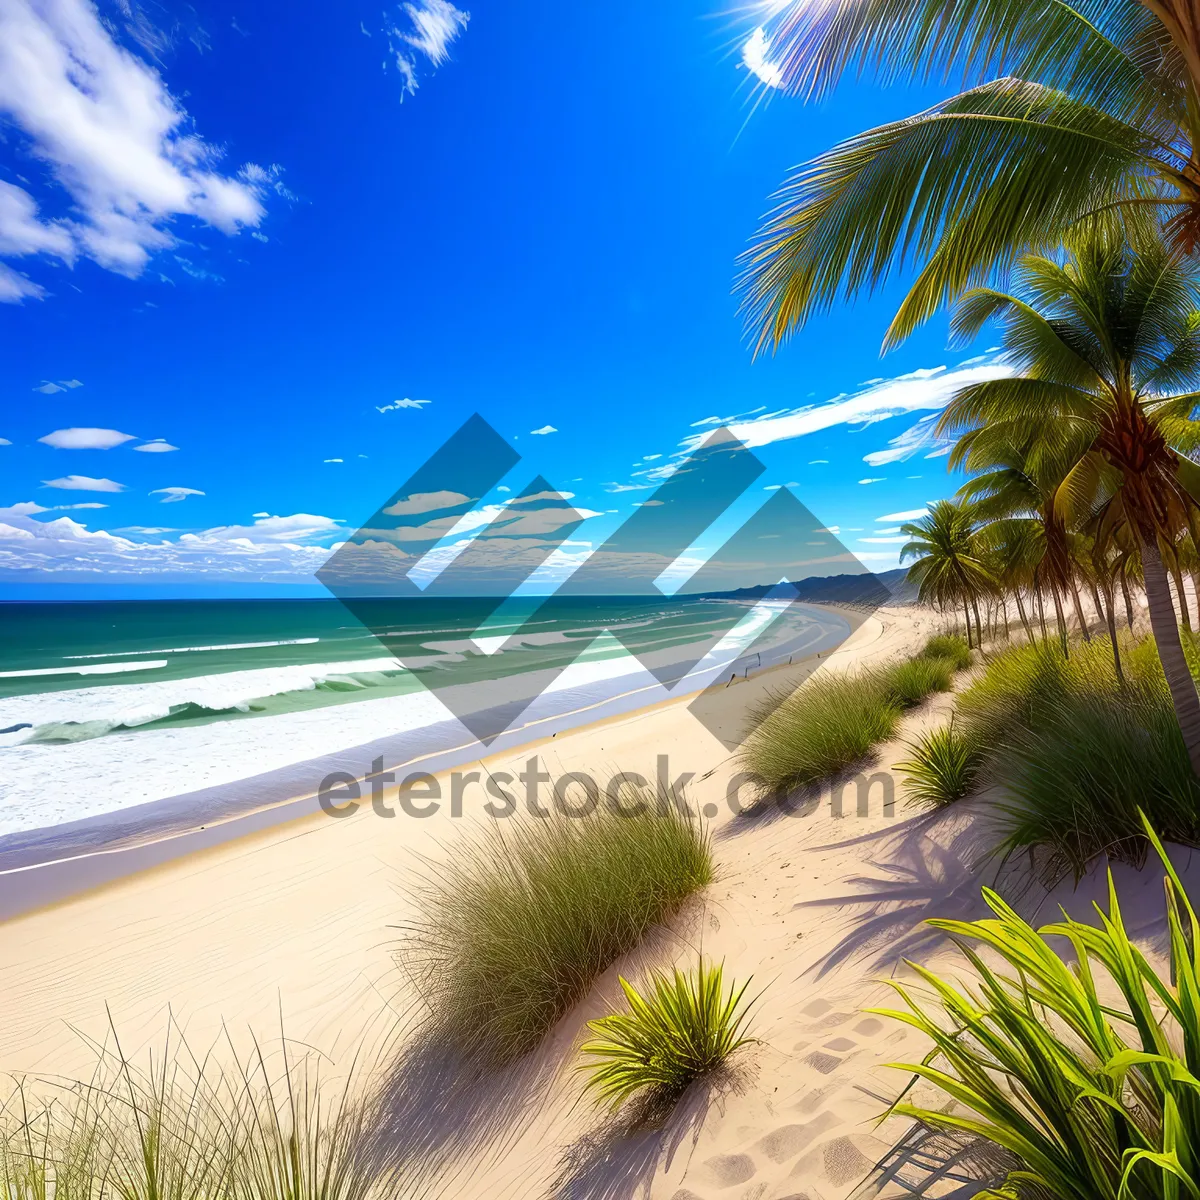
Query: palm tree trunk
978, 626
1128, 601
1058, 616
1110, 620
1083, 623
1021, 614
1177, 575
1170, 650
967, 614
1041, 608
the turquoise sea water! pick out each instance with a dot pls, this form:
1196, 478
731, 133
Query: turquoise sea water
141, 700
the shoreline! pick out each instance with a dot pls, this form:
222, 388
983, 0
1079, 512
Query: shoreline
296, 925
48, 866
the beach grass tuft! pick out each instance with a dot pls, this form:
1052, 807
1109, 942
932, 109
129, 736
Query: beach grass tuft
185, 1129
681, 1027
521, 920
1079, 755
951, 646
835, 721
826, 726
943, 766
913, 681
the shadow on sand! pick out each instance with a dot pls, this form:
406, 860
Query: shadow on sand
620, 1159
950, 1166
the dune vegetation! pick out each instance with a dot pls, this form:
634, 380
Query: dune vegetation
518, 924
1075, 753
679, 1028
1094, 1093
185, 1128
834, 721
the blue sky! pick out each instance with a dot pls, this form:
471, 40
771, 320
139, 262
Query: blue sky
261, 260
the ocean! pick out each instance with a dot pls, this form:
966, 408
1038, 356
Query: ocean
112, 705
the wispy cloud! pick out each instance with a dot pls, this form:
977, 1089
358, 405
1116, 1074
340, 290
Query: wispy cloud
544, 430
83, 483
422, 29
48, 387
909, 514
930, 388
86, 439
918, 437
157, 446
405, 403
877, 479
173, 495
114, 140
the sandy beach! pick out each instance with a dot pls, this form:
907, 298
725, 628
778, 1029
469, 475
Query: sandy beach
301, 922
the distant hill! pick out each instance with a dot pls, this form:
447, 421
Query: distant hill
888, 587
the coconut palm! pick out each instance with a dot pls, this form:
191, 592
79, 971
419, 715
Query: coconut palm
949, 570
1105, 343
1072, 108
1023, 481
1014, 550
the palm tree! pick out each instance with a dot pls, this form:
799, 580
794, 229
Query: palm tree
1104, 340
1072, 108
949, 570
1015, 481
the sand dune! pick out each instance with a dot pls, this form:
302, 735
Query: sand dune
302, 921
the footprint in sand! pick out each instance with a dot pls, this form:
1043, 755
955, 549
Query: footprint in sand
822, 1062
817, 1008
841, 1044
727, 1170
789, 1140
844, 1161
869, 1027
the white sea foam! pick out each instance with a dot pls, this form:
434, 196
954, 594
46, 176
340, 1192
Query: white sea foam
44, 784
310, 641
96, 669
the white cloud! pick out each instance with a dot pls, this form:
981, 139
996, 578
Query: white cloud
426, 27
909, 514
172, 495
928, 388
878, 479
544, 429
423, 502
510, 522
395, 404
818, 462
756, 52
299, 527
333, 460
157, 446
5, 442
65, 549
112, 137
86, 439
916, 438
256, 516
627, 487
83, 483
884, 541
15, 287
